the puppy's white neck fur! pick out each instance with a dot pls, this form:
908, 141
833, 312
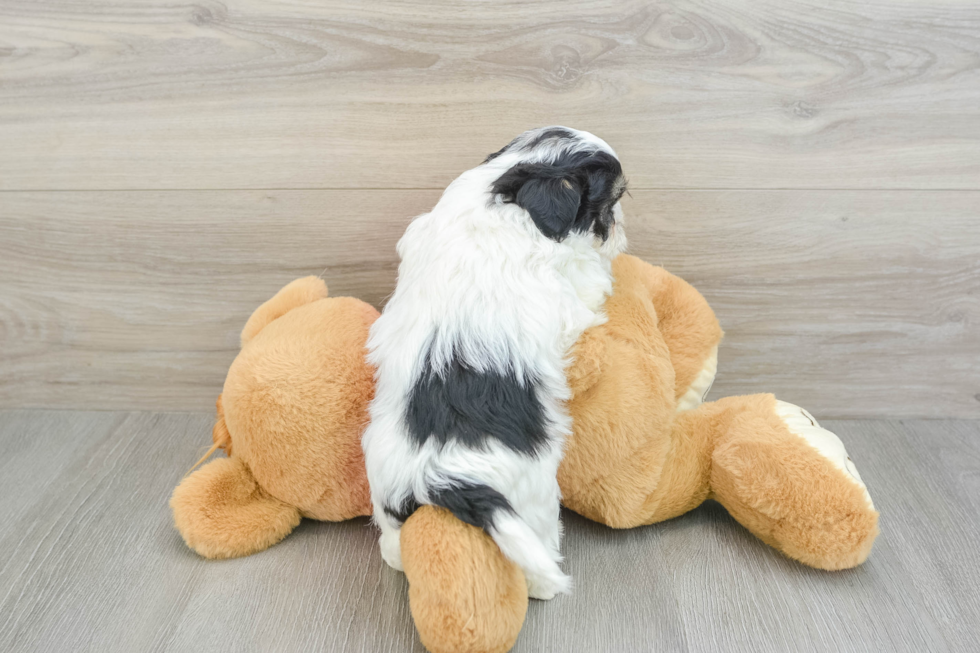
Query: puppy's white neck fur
580, 257
589, 272
487, 274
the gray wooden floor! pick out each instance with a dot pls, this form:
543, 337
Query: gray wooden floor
91, 561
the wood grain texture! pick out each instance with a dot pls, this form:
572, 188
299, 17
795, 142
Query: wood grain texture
306, 94
853, 304
92, 562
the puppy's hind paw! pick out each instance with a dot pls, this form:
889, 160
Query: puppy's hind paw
546, 588
391, 550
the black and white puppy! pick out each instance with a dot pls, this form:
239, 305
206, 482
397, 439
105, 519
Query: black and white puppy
495, 285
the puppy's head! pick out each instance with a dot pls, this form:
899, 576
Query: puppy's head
568, 181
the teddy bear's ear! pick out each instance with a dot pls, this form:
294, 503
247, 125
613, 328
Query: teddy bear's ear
295, 294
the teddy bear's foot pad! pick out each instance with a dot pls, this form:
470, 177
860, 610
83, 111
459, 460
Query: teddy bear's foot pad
801, 423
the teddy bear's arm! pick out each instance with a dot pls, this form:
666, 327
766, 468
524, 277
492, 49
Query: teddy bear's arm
221, 512
586, 361
686, 322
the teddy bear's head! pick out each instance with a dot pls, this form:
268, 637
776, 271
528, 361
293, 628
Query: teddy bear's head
295, 403
290, 418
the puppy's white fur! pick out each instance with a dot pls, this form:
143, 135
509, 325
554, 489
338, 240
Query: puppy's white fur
478, 280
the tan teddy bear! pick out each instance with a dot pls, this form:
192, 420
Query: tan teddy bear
644, 449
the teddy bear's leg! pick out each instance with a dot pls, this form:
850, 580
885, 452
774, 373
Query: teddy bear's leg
630, 460
465, 596
787, 480
221, 512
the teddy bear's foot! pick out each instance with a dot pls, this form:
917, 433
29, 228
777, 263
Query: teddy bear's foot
465, 596
790, 482
221, 512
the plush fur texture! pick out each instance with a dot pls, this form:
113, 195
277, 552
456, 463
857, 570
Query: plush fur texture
465, 596
222, 512
495, 285
324, 389
826, 524
631, 459
290, 417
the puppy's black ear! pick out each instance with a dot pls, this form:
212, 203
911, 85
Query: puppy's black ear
552, 203
552, 199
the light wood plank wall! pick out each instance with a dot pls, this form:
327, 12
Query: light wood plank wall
812, 167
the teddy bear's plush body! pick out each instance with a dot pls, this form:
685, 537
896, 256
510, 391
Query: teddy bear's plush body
644, 448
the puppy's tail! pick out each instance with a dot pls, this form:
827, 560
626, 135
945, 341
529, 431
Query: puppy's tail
482, 506
521, 544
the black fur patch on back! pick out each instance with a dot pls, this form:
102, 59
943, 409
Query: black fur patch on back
469, 406
473, 503
576, 192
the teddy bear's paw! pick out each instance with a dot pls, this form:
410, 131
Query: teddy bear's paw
699, 388
802, 424
221, 511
